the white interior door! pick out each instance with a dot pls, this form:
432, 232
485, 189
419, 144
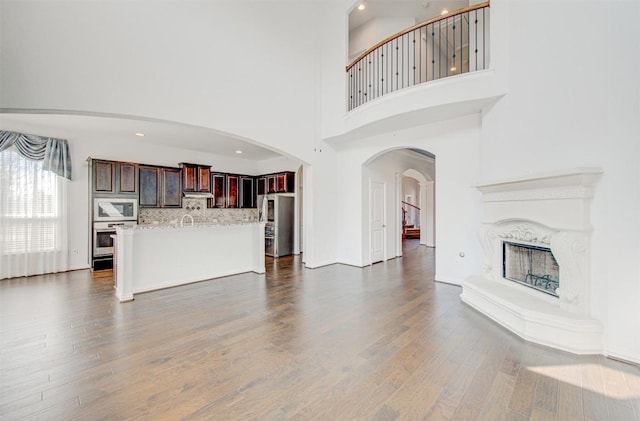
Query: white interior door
377, 221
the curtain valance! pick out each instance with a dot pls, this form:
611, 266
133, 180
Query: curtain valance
54, 152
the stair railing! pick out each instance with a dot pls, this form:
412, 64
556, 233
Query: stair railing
404, 216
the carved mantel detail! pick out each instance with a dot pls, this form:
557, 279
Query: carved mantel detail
526, 232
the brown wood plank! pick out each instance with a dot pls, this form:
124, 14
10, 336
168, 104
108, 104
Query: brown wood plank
382, 343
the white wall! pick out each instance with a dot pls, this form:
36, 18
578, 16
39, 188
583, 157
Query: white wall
455, 144
241, 67
250, 69
280, 81
564, 109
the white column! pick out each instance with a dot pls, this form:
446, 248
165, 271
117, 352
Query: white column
123, 260
430, 215
422, 204
398, 215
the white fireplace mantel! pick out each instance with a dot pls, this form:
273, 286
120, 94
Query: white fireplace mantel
550, 210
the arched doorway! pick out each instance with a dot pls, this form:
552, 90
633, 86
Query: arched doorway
383, 200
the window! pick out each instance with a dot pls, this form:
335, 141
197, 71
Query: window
33, 217
29, 205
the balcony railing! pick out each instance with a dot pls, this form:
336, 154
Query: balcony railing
448, 45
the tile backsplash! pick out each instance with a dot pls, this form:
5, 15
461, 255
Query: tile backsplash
198, 209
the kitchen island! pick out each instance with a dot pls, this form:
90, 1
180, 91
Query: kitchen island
151, 257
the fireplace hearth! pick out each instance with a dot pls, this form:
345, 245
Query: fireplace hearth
536, 240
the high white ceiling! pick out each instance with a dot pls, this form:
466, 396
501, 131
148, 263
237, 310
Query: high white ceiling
194, 138
420, 10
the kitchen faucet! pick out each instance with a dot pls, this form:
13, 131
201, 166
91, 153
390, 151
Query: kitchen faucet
182, 219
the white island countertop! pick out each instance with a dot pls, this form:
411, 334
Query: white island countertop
154, 256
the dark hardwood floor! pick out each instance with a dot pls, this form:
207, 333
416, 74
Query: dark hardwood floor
335, 343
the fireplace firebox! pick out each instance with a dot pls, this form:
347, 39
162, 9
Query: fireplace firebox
532, 266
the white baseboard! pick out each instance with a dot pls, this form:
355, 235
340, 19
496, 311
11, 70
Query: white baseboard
626, 355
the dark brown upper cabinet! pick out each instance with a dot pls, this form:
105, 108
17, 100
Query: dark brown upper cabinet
171, 192
219, 184
160, 187
104, 176
127, 177
283, 182
262, 185
149, 186
271, 184
247, 193
112, 177
196, 178
233, 191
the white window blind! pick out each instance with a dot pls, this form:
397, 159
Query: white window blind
32, 217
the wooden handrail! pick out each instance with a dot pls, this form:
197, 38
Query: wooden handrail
414, 27
409, 204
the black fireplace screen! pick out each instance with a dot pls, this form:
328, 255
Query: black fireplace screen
532, 266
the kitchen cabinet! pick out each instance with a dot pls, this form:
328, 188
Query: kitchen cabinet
149, 186
219, 190
160, 187
104, 173
127, 174
261, 183
271, 184
283, 182
111, 177
196, 178
286, 182
247, 193
171, 191
233, 191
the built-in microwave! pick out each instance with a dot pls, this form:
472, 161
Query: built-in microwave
115, 209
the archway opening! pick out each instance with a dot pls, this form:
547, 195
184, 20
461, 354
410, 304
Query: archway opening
399, 193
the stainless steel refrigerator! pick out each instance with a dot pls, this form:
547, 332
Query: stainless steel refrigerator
277, 211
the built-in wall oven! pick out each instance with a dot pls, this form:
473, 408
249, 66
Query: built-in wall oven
102, 240
109, 213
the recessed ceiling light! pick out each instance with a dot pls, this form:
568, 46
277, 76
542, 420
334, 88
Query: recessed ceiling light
238, 151
444, 12
140, 134
361, 6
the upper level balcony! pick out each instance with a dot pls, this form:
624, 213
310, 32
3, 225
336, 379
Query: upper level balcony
449, 45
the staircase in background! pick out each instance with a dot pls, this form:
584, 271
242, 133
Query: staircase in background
411, 232
408, 230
